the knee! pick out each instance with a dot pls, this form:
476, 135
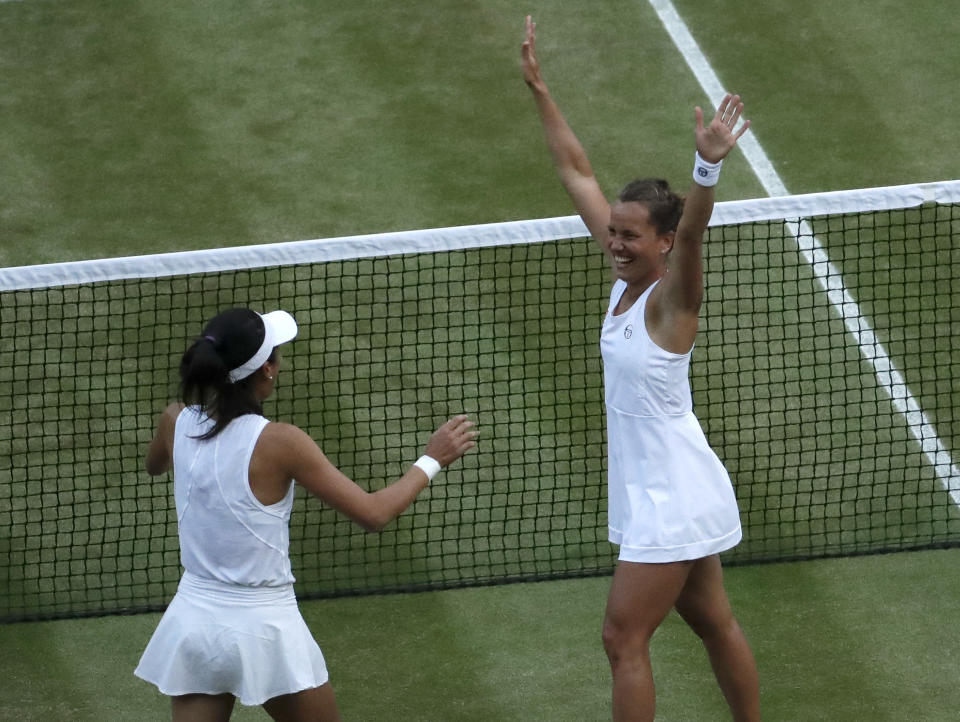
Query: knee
620, 642
610, 638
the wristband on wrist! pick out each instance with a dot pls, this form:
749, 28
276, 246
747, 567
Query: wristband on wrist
704, 173
428, 465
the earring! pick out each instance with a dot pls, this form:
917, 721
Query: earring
270, 377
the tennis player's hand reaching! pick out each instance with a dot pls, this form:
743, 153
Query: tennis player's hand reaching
717, 139
288, 453
452, 440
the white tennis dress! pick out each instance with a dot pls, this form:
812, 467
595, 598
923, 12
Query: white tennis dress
670, 497
233, 625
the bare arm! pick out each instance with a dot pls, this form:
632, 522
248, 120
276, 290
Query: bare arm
301, 459
569, 158
159, 456
676, 301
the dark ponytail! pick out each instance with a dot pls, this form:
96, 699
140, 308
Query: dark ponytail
205, 369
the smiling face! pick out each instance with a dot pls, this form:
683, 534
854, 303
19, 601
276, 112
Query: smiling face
638, 252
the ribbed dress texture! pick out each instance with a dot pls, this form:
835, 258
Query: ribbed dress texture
669, 495
233, 625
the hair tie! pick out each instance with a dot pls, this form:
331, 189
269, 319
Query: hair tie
211, 339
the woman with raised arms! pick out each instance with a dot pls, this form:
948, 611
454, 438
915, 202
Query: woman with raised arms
671, 506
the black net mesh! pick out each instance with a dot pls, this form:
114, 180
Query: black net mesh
837, 429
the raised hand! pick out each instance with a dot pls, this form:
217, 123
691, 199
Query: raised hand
716, 140
452, 440
528, 55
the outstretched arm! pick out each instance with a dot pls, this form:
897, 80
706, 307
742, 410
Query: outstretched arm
569, 158
300, 457
679, 295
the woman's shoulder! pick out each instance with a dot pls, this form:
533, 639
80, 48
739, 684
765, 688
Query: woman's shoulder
282, 434
284, 445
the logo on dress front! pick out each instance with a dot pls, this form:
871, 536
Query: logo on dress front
628, 331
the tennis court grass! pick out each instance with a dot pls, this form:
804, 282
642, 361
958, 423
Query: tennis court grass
132, 127
840, 639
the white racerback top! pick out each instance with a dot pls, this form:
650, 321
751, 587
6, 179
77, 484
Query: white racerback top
669, 496
226, 534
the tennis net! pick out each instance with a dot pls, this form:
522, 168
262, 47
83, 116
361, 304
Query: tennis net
825, 375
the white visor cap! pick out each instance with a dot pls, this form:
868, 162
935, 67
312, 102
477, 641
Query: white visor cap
279, 327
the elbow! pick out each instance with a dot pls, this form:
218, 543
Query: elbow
378, 509
154, 469
373, 522
375, 516
156, 462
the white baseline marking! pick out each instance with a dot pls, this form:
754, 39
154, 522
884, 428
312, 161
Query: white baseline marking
826, 273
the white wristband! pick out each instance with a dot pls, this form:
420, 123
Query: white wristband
704, 173
428, 465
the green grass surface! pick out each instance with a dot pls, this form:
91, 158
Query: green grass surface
846, 639
134, 127
194, 131
130, 127
844, 95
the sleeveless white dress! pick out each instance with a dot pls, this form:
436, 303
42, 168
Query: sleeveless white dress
670, 497
233, 625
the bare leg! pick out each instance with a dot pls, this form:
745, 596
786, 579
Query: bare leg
317, 704
641, 595
703, 604
202, 707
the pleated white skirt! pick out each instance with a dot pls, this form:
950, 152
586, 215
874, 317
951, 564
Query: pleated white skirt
214, 638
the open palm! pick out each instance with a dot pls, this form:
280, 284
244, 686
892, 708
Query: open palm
717, 139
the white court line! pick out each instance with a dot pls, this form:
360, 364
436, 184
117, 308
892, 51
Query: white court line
826, 273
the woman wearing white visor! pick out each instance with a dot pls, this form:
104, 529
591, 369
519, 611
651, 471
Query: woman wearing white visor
233, 629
